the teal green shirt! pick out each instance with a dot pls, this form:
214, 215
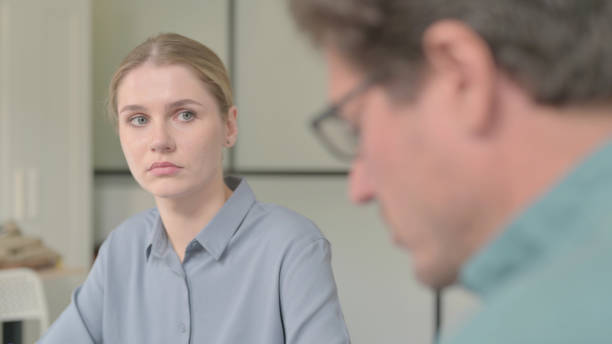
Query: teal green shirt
547, 278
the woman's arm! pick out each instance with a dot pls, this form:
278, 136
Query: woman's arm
81, 322
309, 299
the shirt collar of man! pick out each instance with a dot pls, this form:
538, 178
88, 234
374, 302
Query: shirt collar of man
577, 206
216, 236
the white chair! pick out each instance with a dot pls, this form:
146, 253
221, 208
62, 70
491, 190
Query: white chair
22, 297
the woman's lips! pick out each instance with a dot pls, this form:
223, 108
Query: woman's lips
164, 169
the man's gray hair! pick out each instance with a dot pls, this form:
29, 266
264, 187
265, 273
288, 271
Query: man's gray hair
560, 51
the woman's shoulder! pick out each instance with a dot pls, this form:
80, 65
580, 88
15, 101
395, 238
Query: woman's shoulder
282, 223
135, 230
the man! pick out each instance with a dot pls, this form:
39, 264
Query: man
482, 128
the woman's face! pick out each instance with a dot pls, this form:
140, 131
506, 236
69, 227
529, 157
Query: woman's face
171, 131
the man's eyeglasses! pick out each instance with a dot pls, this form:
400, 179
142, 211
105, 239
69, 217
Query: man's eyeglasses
337, 134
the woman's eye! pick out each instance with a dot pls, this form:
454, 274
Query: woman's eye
186, 116
138, 121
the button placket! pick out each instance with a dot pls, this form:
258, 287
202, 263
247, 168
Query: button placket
184, 325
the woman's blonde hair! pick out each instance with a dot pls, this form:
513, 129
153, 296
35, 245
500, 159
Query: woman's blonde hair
170, 49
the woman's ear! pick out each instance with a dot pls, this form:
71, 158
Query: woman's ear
231, 127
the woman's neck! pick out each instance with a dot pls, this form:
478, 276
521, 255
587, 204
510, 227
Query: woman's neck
184, 217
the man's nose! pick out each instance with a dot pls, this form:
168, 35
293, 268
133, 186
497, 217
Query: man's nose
360, 186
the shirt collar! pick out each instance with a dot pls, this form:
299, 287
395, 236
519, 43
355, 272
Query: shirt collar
157, 241
216, 236
578, 205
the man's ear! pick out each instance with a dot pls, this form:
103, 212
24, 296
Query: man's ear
456, 55
231, 127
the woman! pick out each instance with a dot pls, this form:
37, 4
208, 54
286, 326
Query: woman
209, 264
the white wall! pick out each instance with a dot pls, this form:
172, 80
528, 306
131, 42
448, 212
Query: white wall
5, 198
459, 306
280, 83
45, 176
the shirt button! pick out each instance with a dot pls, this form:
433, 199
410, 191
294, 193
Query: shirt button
182, 328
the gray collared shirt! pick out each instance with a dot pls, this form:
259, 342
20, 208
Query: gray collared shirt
257, 273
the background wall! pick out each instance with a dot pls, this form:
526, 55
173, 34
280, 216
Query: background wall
45, 138
279, 83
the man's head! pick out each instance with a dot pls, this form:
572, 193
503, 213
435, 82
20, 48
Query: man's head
556, 49
449, 137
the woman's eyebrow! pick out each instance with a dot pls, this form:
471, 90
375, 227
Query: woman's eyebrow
133, 108
182, 102
173, 105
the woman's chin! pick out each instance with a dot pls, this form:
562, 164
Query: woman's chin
166, 191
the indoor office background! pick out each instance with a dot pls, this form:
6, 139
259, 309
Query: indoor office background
64, 179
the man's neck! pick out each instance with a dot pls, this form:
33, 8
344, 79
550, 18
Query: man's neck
541, 145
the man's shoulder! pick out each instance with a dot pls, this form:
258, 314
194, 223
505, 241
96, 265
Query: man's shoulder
565, 299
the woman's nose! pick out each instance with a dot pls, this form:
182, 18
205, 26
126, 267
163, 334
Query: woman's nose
162, 140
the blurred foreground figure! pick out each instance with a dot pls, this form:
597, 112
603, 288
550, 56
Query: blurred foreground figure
482, 129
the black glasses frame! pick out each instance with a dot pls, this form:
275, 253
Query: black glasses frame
332, 111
